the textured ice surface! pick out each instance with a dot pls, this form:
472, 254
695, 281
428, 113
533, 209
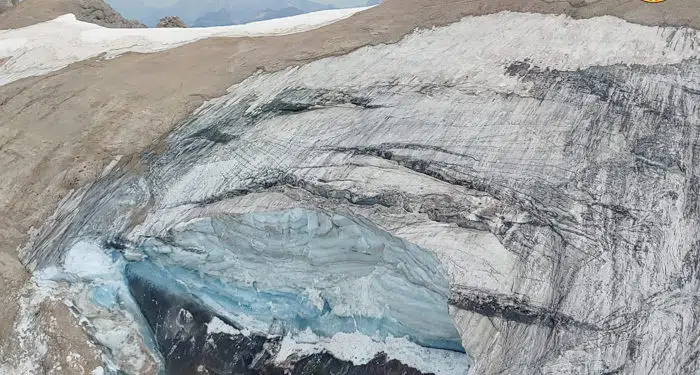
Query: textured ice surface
88, 260
552, 166
296, 273
98, 290
360, 349
310, 269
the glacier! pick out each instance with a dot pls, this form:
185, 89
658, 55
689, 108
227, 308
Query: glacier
323, 282
311, 270
533, 195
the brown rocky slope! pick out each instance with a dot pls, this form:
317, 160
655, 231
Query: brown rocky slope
29, 12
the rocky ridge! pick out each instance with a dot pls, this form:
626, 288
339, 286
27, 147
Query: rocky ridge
171, 21
101, 13
7, 4
34, 11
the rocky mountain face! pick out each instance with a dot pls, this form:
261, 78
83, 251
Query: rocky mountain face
7, 4
219, 17
526, 203
99, 12
171, 21
223, 17
33, 11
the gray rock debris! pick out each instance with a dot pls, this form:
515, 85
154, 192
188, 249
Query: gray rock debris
7, 4
100, 13
171, 21
93, 11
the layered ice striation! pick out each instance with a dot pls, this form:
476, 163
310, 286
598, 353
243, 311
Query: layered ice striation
554, 177
295, 289
300, 269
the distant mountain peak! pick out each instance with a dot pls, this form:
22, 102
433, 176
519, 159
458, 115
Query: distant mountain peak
16, 14
220, 17
205, 13
171, 22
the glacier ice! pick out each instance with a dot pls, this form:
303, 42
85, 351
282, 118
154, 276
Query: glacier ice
555, 180
296, 274
310, 269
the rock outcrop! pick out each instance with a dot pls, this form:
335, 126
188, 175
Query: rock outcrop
101, 13
7, 4
29, 12
171, 21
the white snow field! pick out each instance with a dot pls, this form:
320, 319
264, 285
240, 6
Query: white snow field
50, 46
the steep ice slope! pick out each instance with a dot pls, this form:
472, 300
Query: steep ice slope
549, 164
313, 262
300, 283
49, 46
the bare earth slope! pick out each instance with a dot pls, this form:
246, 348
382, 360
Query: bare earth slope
30, 12
60, 130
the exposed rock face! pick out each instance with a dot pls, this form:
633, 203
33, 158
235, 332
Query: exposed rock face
27, 12
171, 21
99, 12
552, 170
7, 4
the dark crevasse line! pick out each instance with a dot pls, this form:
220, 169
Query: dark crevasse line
512, 309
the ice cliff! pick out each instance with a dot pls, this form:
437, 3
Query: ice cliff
537, 174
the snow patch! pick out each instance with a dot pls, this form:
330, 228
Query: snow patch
50, 46
218, 326
111, 165
88, 260
96, 288
361, 349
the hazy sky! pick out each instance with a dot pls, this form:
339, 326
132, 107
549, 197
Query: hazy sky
343, 3
336, 3
150, 11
